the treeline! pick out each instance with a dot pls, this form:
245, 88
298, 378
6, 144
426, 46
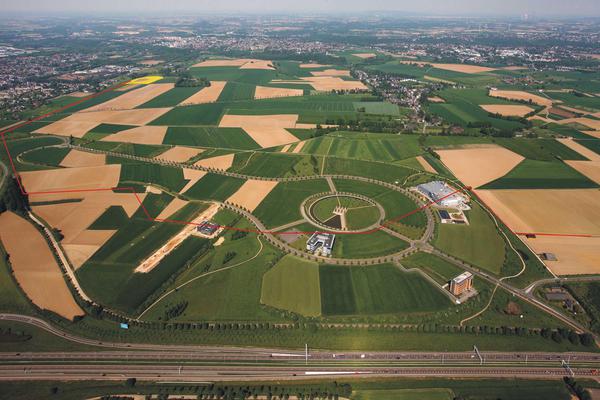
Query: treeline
13, 199
577, 389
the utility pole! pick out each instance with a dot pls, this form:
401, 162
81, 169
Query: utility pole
478, 354
306, 353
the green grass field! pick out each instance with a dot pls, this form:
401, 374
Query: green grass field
113, 218
214, 187
171, 98
360, 213
293, 284
282, 205
201, 114
231, 138
51, 156
531, 174
165, 176
440, 270
539, 149
593, 144
404, 394
375, 170
381, 289
367, 245
478, 243
234, 91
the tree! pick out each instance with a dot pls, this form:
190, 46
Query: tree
587, 339
573, 337
130, 382
557, 337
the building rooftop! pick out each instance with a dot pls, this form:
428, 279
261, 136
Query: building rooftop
462, 277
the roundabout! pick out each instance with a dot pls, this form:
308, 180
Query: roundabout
343, 212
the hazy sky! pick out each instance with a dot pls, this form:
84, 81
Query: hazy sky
437, 7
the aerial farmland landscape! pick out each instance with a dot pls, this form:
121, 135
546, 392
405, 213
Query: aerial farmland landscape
300, 201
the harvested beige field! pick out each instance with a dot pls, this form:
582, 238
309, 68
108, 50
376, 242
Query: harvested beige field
331, 72
584, 151
68, 128
139, 135
79, 94
242, 63
221, 162
151, 262
74, 219
265, 92
101, 177
507, 110
436, 99
285, 148
557, 211
426, 166
266, 130
76, 158
591, 169
127, 87
179, 154
364, 55
326, 83
175, 205
514, 68
133, 98
251, 193
299, 146
522, 96
151, 62
313, 65
35, 268
433, 79
575, 110
208, 94
575, 255
140, 116
464, 68
590, 123
193, 176
478, 166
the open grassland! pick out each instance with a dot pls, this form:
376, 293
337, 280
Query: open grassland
282, 205
52, 156
438, 269
381, 289
403, 394
225, 293
214, 187
367, 245
230, 138
372, 147
18, 146
375, 170
293, 284
271, 164
478, 243
165, 176
531, 174
234, 91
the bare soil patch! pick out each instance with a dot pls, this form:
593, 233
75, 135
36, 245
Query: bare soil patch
478, 166
595, 134
265, 92
180, 154
266, 130
35, 268
590, 123
436, 99
140, 116
426, 166
464, 68
221, 162
556, 211
208, 94
313, 65
326, 83
522, 96
285, 148
251, 193
561, 112
134, 98
175, 205
140, 135
299, 147
76, 158
151, 62
242, 63
101, 177
507, 110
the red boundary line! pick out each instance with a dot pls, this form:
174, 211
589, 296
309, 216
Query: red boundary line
148, 216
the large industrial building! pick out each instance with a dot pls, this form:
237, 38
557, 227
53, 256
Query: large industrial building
321, 242
443, 195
